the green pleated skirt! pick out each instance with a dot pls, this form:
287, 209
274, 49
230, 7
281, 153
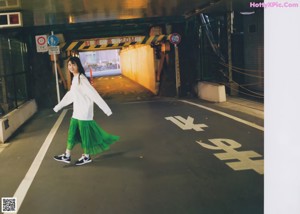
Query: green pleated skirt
90, 135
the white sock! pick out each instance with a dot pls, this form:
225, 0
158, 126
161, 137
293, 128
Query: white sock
68, 153
86, 155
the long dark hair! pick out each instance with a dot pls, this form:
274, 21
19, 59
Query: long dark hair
76, 60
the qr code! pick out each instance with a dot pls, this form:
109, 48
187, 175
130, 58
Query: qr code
9, 205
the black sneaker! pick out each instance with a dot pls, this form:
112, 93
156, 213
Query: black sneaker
62, 158
83, 160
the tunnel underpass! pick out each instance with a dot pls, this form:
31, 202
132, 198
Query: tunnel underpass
136, 67
103, 68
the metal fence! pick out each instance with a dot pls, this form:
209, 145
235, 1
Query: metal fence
13, 74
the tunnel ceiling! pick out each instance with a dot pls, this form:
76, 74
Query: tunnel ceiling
78, 18
76, 11
125, 9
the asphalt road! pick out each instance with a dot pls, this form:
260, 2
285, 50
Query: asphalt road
173, 157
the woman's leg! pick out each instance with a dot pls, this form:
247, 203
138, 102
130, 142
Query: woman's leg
73, 135
73, 138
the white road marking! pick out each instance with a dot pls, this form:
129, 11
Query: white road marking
186, 124
226, 115
2, 146
245, 158
26, 182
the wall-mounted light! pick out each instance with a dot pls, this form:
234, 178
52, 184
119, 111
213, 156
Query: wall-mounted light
71, 19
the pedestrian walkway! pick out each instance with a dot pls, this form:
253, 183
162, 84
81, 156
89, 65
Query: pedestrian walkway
243, 105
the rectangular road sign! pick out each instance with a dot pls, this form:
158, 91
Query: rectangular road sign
41, 43
53, 50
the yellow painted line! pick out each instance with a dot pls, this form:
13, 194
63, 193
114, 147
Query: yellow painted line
149, 40
81, 47
160, 38
71, 46
102, 41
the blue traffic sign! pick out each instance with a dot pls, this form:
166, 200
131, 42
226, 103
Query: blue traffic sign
53, 40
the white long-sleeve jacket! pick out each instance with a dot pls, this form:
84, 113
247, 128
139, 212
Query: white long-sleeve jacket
83, 96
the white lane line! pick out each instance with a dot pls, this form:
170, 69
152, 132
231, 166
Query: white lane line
2, 146
26, 182
226, 115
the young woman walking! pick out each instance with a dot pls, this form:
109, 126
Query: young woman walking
83, 129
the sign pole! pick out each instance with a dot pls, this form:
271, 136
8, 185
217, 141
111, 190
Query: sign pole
56, 76
177, 70
175, 39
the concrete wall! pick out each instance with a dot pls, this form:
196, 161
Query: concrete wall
13, 120
137, 63
254, 50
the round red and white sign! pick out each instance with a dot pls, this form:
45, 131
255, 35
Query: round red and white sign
175, 38
41, 40
41, 43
